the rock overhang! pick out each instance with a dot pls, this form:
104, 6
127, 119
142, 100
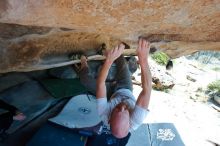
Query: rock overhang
36, 32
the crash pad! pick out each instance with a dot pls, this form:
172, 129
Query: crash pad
60, 88
107, 140
156, 134
164, 134
79, 112
53, 135
141, 135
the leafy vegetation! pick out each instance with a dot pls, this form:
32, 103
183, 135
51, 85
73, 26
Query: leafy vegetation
216, 69
214, 86
160, 57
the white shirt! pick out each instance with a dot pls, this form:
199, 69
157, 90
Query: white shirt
105, 108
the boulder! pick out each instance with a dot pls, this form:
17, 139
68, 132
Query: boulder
190, 78
162, 80
217, 99
35, 34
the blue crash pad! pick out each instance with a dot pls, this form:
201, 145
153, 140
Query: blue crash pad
107, 140
164, 134
53, 135
155, 134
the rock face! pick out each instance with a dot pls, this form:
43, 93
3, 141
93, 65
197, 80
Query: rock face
46, 31
206, 57
161, 79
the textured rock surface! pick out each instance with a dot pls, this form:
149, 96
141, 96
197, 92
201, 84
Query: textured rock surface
46, 31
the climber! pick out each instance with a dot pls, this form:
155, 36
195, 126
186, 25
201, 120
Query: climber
122, 113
